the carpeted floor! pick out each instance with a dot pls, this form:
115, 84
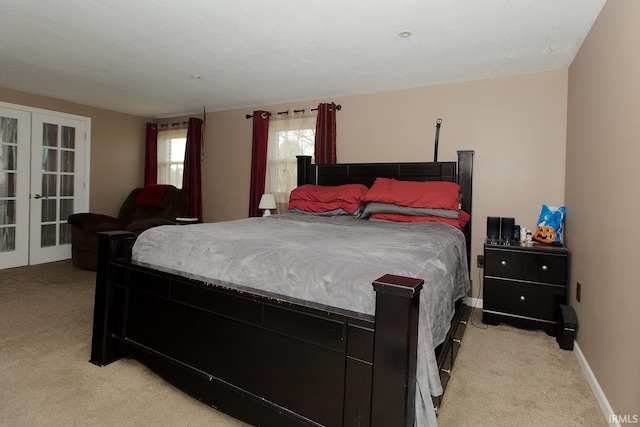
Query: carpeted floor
503, 376
511, 377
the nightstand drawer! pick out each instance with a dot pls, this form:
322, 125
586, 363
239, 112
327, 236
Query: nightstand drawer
523, 299
530, 266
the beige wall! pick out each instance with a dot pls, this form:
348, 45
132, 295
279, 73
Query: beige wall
117, 148
510, 123
603, 148
516, 125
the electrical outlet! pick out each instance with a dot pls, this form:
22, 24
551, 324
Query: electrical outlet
480, 261
578, 291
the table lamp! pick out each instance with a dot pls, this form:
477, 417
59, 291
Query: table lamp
267, 202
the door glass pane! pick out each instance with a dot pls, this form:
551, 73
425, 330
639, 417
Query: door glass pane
67, 161
8, 157
7, 184
66, 208
66, 185
49, 183
48, 235
7, 212
49, 135
49, 210
49, 160
7, 239
8, 181
65, 234
68, 137
8, 130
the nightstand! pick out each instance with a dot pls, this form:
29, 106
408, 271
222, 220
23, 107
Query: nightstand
524, 283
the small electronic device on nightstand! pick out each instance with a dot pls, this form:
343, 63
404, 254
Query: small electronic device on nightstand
493, 228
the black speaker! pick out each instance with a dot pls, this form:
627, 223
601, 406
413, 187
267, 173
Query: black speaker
506, 227
566, 327
493, 227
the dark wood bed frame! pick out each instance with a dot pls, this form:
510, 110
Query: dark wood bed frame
270, 360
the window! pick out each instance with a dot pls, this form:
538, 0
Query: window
171, 149
288, 138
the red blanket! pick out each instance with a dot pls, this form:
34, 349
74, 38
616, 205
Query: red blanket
152, 194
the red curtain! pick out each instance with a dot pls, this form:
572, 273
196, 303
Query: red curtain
191, 178
151, 155
258, 159
326, 134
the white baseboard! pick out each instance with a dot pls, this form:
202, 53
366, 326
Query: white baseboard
473, 302
605, 407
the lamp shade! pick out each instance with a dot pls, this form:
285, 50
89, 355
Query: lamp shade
267, 201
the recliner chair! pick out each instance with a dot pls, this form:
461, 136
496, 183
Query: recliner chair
144, 208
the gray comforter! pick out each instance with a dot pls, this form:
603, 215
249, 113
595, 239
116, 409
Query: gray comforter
331, 261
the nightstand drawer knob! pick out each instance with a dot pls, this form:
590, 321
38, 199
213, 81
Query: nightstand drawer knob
545, 268
503, 262
522, 298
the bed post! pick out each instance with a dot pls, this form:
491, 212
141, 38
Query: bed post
465, 180
465, 177
395, 351
111, 246
304, 170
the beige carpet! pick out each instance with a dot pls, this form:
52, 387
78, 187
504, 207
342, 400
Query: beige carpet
503, 376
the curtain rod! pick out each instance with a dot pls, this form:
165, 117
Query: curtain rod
173, 125
338, 108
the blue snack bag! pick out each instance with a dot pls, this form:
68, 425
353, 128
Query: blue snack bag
550, 224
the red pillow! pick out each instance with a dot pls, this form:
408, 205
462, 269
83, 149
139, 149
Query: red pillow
322, 207
463, 218
459, 223
320, 198
414, 194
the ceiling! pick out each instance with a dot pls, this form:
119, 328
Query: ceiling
160, 58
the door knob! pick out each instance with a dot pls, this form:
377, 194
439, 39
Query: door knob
38, 196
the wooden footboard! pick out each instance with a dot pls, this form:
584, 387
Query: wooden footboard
259, 358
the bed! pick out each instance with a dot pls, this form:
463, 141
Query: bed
271, 356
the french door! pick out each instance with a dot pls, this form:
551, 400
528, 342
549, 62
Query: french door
43, 171
15, 146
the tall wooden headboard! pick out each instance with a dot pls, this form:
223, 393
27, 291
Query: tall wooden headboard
460, 172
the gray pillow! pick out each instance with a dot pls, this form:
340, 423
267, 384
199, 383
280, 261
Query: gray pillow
328, 213
376, 207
